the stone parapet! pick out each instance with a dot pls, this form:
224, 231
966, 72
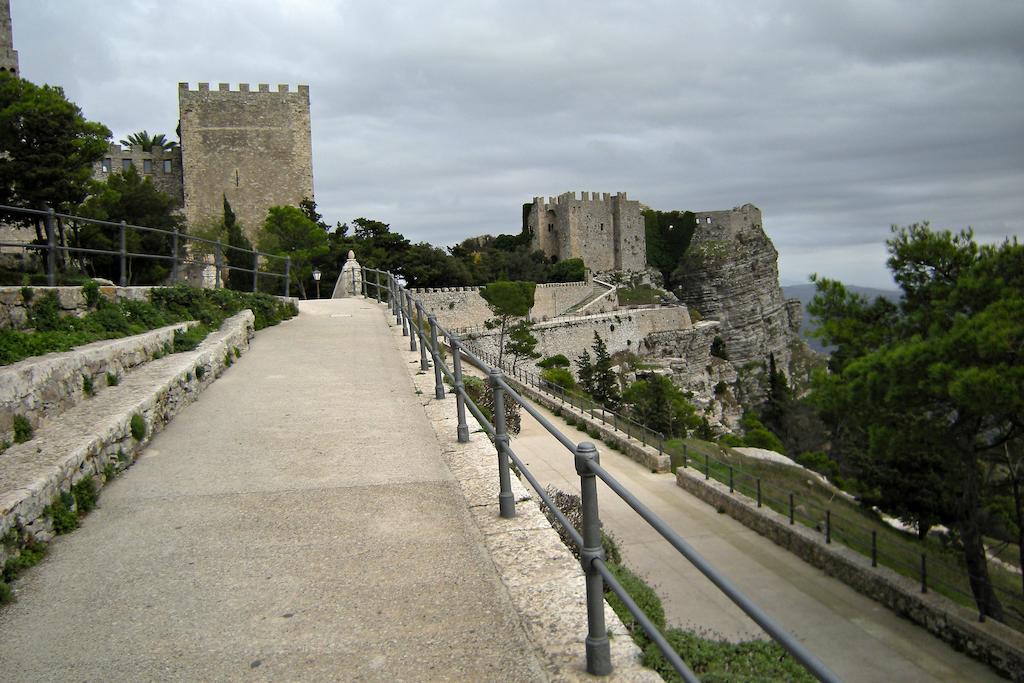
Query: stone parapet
94, 439
43, 387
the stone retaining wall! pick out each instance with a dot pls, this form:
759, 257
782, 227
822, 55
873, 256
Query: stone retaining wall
36, 472
991, 642
14, 308
43, 387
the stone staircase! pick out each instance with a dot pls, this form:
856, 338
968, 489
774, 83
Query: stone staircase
78, 433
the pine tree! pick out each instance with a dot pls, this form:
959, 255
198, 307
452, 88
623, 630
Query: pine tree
585, 372
606, 383
239, 253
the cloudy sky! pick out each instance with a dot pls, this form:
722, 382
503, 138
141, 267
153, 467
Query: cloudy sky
837, 119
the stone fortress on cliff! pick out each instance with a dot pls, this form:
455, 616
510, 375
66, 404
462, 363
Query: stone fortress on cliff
729, 300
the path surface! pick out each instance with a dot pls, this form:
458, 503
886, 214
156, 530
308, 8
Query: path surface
856, 637
296, 522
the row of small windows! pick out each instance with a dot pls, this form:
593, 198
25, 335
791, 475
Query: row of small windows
147, 165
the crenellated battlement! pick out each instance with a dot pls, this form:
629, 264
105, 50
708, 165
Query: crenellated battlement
604, 198
244, 88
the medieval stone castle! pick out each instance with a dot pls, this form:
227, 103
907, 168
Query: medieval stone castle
606, 231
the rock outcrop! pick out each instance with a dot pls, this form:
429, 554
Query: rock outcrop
730, 274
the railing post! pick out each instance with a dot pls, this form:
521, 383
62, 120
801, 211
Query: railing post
174, 255
124, 254
218, 258
791, 509
828, 526
707, 467
376, 285
255, 271
506, 501
758, 492
434, 352
407, 316
730, 479
599, 660
287, 275
874, 548
460, 387
419, 330
51, 248
924, 573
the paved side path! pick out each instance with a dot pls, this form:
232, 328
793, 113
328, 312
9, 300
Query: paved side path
296, 523
860, 640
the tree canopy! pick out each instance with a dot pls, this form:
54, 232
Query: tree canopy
147, 142
508, 301
47, 148
927, 397
288, 231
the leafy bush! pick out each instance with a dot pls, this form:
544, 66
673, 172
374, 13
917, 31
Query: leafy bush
138, 427
91, 292
559, 377
112, 379
644, 597
570, 505
480, 393
759, 436
61, 513
720, 661
200, 371
87, 388
22, 429
188, 340
84, 492
718, 348
227, 360
555, 361
820, 463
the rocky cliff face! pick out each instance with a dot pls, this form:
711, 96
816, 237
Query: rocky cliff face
730, 274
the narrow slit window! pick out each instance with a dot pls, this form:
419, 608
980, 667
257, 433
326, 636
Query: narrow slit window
147, 165
126, 164
167, 165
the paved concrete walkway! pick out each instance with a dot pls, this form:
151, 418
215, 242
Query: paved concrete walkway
856, 637
296, 523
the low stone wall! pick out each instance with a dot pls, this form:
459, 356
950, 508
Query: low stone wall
43, 387
14, 308
991, 642
552, 299
86, 441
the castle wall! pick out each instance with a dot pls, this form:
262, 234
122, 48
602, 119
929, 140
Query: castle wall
8, 55
606, 231
252, 146
161, 166
621, 331
461, 307
555, 298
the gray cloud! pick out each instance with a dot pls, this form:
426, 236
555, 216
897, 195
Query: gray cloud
836, 118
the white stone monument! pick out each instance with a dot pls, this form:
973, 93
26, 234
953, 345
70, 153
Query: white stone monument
350, 282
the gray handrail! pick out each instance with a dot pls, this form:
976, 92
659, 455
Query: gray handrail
52, 248
406, 309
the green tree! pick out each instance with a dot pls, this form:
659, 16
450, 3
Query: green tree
658, 403
605, 382
132, 198
47, 148
668, 236
585, 372
144, 140
238, 254
927, 396
521, 343
289, 232
508, 300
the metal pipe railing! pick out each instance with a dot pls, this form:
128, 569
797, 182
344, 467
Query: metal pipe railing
122, 253
588, 467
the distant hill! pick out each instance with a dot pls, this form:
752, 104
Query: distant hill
806, 292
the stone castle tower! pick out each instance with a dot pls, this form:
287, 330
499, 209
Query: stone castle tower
606, 231
252, 146
8, 55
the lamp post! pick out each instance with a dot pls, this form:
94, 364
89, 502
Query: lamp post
316, 279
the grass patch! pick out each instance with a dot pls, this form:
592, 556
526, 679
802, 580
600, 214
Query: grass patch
112, 380
639, 295
87, 387
61, 513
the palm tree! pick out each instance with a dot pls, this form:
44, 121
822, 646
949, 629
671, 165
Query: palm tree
145, 141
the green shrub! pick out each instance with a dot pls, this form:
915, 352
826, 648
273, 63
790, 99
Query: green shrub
238, 354
569, 504
44, 314
27, 293
820, 463
138, 427
188, 340
6, 595
112, 379
480, 393
85, 494
644, 597
22, 429
87, 388
109, 471
227, 359
556, 361
731, 440
61, 513
759, 436
718, 348
91, 292
720, 661
559, 377
200, 371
